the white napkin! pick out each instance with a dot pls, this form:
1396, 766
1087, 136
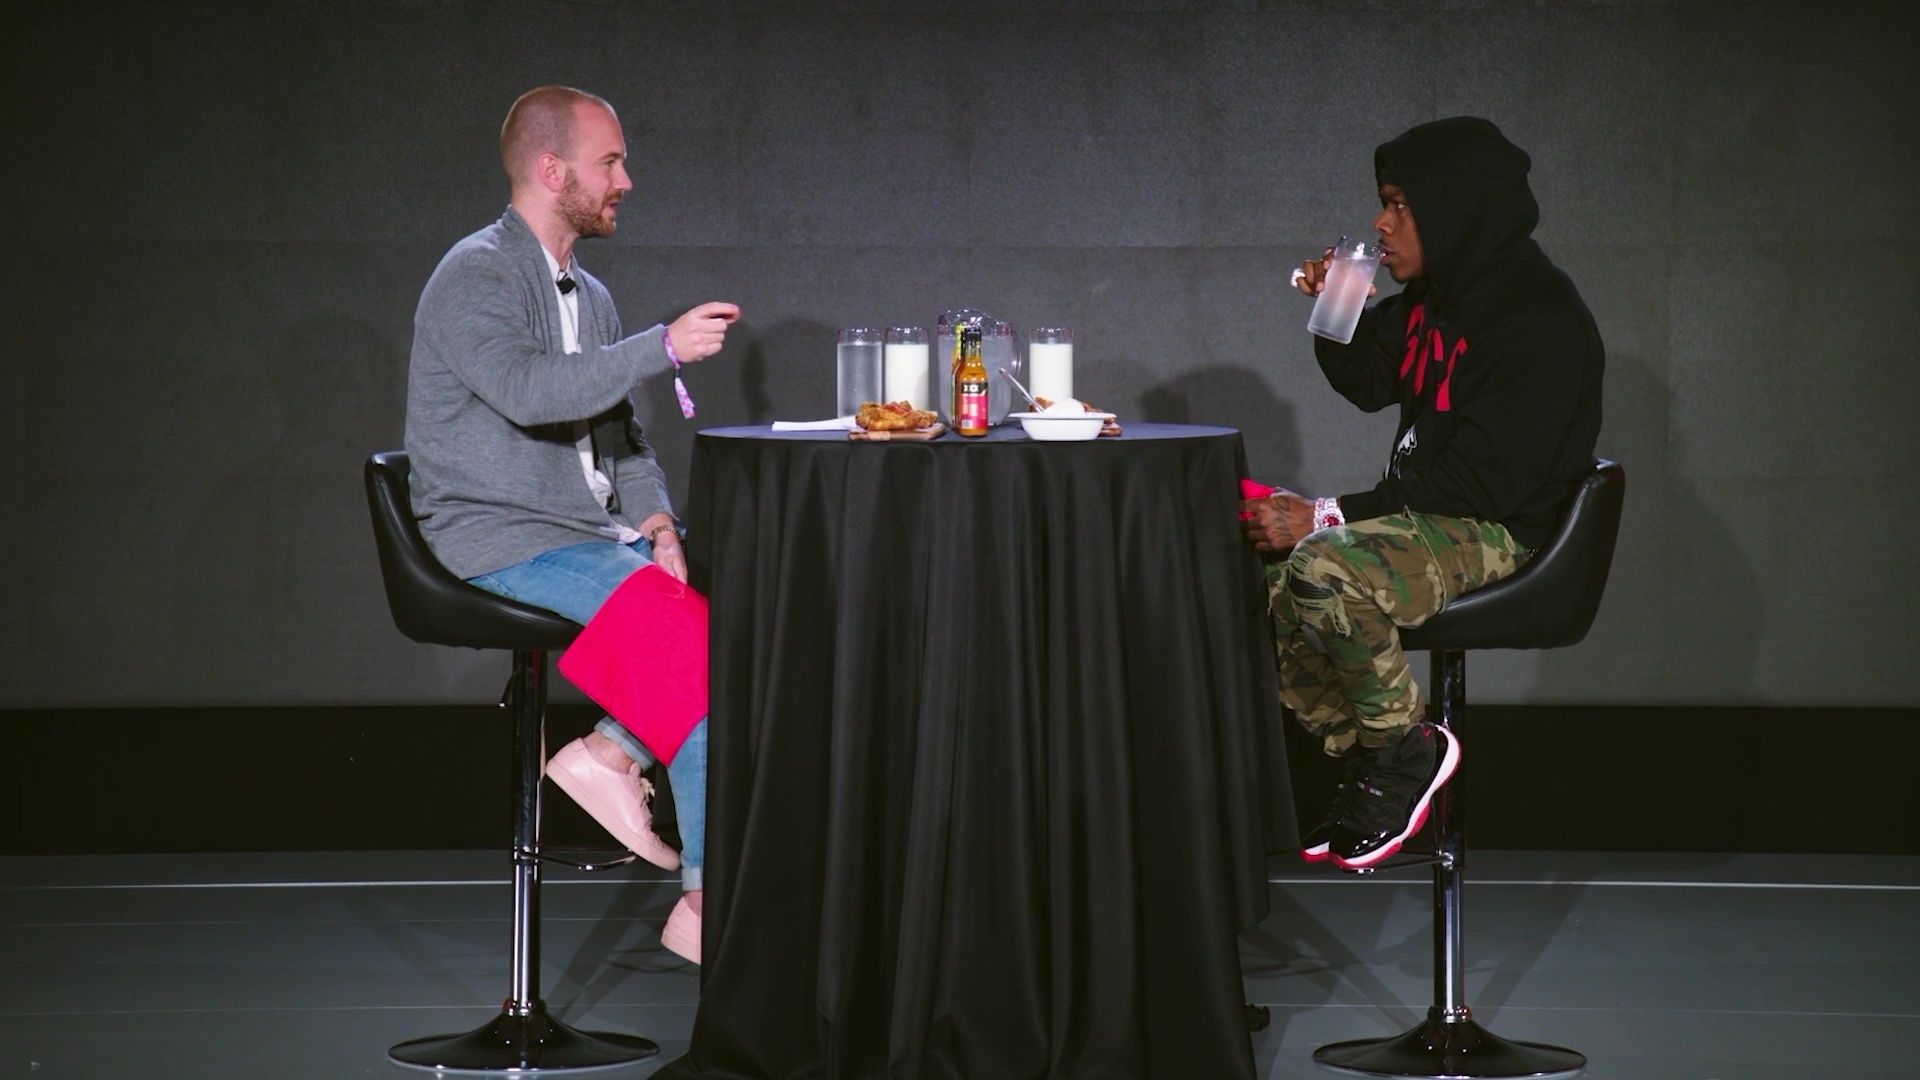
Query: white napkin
838, 423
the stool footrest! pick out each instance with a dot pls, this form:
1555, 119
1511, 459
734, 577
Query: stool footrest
1452, 1049
1407, 859
588, 859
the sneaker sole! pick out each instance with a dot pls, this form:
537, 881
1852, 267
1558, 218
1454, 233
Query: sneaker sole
601, 814
1449, 765
1318, 853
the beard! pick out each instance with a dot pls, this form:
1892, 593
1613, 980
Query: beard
582, 214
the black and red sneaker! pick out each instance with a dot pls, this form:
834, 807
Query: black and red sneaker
1389, 799
1316, 844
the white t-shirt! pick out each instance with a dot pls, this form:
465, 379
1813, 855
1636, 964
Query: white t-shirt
597, 481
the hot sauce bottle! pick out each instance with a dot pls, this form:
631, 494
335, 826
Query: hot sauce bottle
971, 417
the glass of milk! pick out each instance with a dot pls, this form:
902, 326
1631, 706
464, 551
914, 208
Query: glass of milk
907, 366
1050, 363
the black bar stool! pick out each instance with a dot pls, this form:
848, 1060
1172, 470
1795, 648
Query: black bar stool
430, 605
1550, 602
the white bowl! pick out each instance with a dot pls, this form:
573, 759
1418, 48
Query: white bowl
1062, 427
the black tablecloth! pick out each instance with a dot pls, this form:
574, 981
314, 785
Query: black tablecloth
992, 726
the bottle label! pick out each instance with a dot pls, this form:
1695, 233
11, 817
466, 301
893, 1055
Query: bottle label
973, 406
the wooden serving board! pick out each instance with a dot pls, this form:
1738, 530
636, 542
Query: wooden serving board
915, 435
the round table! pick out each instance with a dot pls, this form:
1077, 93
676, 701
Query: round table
994, 725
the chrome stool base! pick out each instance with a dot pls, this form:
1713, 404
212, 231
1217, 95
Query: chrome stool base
1461, 1050
517, 1045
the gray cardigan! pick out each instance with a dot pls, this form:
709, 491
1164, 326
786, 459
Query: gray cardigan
491, 397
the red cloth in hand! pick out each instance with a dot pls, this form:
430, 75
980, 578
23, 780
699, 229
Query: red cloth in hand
1252, 489
643, 658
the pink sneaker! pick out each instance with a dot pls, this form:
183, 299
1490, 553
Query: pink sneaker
681, 935
615, 799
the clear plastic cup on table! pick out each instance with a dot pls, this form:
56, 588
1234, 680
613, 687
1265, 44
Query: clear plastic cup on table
859, 370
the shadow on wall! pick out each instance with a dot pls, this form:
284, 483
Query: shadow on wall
1239, 397
788, 367
1702, 611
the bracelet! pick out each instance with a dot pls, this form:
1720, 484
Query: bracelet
679, 385
654, 532
1326, 513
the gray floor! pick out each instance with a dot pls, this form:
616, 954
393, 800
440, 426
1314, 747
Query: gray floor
310, 965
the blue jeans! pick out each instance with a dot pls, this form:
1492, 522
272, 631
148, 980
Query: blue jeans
574, 581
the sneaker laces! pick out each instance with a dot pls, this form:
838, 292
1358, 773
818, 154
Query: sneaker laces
1352, 773
1383, 786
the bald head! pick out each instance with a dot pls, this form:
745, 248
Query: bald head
543, 120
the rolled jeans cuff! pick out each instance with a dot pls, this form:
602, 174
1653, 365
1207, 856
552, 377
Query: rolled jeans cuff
625, 740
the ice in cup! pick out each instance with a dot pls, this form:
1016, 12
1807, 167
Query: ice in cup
1336, 311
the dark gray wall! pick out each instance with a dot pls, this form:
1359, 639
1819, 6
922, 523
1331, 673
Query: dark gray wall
222, 222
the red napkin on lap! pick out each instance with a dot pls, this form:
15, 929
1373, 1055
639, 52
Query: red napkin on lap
643, 658
1252, 489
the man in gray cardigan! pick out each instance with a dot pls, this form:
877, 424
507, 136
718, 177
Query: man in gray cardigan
531, 477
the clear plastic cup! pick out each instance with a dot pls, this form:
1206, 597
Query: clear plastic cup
1336, 311
859, 369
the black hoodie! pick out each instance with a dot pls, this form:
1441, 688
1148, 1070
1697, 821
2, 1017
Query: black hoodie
1491, 355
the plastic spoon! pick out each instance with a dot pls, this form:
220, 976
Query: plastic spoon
1022, 389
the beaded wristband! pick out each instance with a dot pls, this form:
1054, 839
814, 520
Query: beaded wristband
679, 387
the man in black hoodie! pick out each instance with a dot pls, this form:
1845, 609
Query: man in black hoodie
1495, 364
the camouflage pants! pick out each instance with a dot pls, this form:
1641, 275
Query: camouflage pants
1339, 601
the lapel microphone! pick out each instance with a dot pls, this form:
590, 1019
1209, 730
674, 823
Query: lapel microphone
565, 284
